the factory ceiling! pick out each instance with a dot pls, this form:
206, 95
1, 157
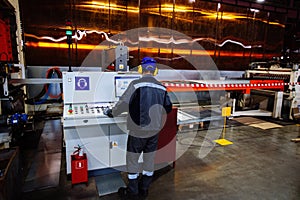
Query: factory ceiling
5, 6
289, 7
231, 20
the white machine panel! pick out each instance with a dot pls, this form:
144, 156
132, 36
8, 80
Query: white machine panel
90, 138
86, 96
91, 87
118, 144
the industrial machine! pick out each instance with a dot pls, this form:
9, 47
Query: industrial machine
86, 96
11, 67
289, 97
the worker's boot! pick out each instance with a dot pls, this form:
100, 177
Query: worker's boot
144, 185
131, 192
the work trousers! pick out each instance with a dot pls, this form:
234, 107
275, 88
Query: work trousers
135, 146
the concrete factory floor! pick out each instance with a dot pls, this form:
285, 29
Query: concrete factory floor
262, 163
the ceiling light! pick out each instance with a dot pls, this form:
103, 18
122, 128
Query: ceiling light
254, 10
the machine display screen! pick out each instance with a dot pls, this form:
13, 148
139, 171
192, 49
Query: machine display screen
82, 83
122, 82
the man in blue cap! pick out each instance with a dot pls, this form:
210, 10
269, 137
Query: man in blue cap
147, 102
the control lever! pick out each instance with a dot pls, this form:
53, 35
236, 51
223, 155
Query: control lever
87, 108
108, 111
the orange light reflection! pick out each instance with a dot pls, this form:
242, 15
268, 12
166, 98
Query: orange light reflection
94, 6
150, 50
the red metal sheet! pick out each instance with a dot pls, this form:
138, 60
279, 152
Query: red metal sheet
5, 41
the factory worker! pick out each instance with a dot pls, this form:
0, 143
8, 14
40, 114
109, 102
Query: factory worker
147, 102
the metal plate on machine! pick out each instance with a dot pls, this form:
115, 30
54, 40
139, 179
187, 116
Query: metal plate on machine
91, 87
118, 141
88, 87
186, 116
90, 138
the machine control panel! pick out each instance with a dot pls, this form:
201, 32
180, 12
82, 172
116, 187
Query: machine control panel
86, 110
87, 96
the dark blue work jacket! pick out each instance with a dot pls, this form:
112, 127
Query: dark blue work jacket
146, 100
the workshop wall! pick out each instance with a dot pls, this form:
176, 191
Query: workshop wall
233, 35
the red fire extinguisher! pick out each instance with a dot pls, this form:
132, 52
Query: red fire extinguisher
79, 166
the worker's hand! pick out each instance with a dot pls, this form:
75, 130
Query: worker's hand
108, 112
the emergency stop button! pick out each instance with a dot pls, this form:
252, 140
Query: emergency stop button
70, 110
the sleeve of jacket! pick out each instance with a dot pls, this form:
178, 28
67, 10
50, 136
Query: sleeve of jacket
167, 103
123, 104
